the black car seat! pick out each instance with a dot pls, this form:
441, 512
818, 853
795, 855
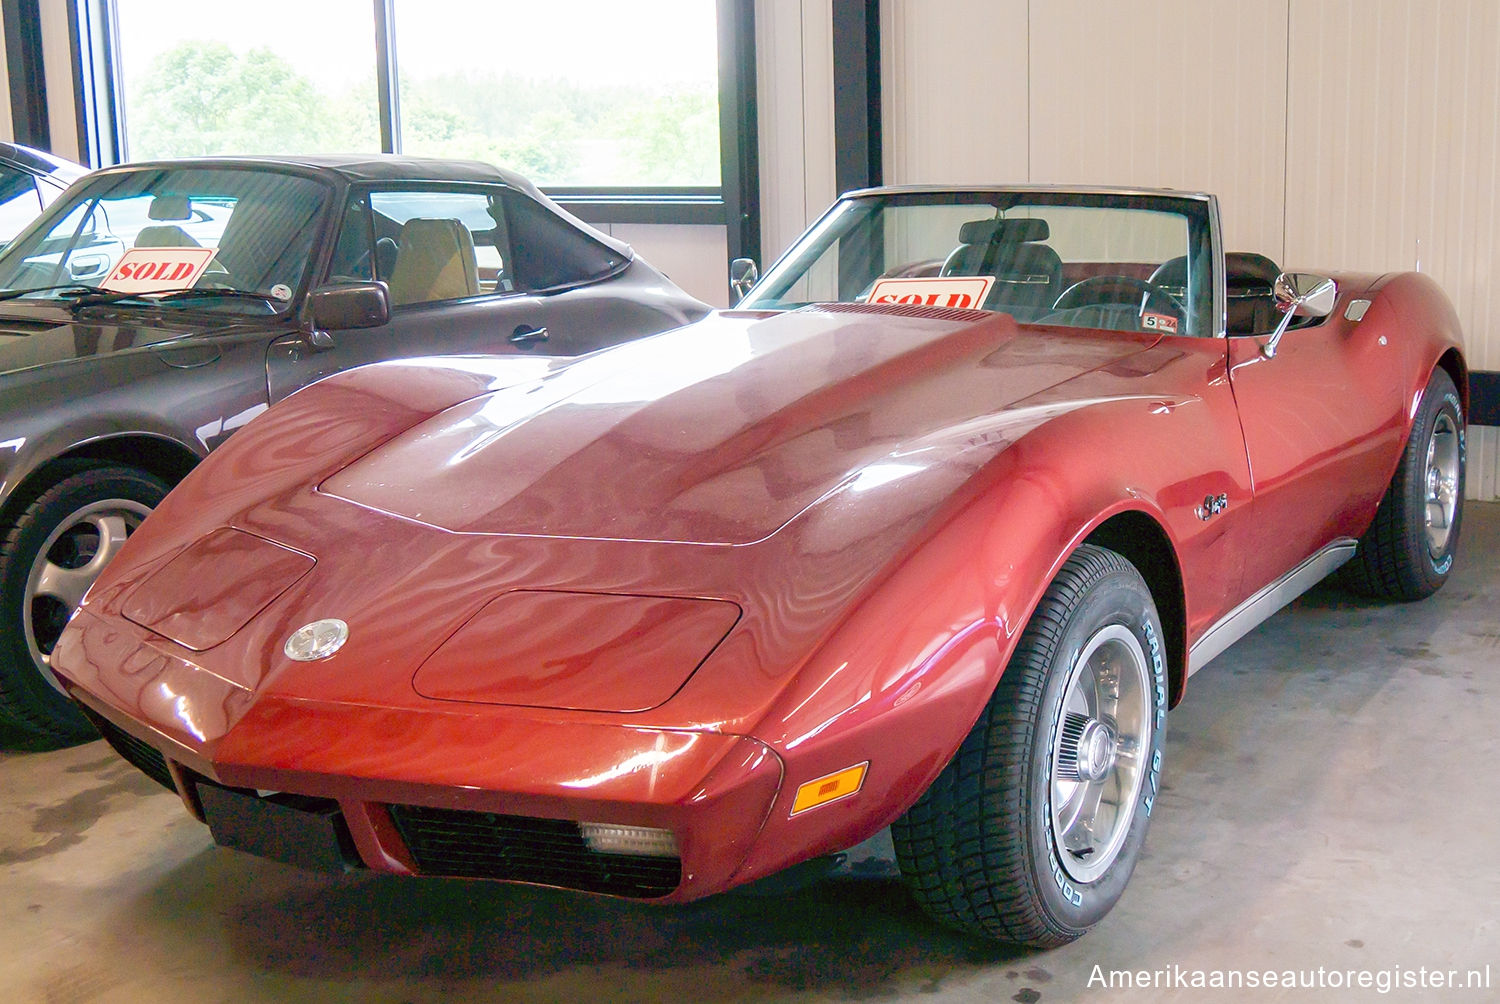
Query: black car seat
1250, 305
1250, 281
1028, 274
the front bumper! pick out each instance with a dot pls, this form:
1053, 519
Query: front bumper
438, 789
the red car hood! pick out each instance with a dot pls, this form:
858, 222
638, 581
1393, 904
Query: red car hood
718, 435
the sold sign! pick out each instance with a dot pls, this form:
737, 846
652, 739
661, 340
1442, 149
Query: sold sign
948, 291
156, 270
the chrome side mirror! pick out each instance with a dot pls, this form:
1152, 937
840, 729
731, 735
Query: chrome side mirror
742, 275
1300, 294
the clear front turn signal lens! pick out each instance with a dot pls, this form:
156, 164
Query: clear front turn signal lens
641, 841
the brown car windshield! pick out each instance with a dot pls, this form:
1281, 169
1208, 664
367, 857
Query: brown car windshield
1125, 262
257, 227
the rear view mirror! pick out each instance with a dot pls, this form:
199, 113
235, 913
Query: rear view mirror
1300, 294
742, 275
349, 305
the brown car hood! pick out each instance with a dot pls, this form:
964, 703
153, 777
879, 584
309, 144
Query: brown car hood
720, 433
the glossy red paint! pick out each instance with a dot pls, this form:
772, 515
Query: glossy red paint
580, 651
212, 589
826, 527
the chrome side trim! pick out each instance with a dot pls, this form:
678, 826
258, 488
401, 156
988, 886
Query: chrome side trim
1243, 618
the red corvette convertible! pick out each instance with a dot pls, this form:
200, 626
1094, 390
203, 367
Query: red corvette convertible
928, 534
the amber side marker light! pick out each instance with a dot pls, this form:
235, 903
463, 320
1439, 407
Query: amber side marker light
830, 788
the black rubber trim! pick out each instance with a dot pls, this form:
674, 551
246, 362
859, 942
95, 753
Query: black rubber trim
1484, 397
139, 754
455, 843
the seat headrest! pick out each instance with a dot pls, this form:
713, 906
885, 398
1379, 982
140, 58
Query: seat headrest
1003, 231
169, 207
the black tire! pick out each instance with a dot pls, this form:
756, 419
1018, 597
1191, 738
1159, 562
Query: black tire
63, 528
981, 850
1402, 556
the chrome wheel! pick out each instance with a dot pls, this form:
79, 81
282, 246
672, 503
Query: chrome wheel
1097, 762
70, 559
1441, 484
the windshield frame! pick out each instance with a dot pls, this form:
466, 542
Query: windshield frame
1201, 205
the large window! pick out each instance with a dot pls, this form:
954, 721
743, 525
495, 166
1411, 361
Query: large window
632, 112
571, 92
267, 76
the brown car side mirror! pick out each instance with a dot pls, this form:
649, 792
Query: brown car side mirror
349, 305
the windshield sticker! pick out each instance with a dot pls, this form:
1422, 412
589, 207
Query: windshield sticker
948, 291
281, 291
1159, 322
157, 270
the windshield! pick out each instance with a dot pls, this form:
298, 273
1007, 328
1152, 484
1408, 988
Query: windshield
257, 228
1119, 262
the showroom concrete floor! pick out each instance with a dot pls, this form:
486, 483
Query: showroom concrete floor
1330, 802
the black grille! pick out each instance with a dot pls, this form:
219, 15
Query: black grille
459, 844
143, 756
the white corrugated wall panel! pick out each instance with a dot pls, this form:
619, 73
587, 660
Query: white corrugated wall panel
1484, 463
794, 81
953, 81
1166, 93
1393, 155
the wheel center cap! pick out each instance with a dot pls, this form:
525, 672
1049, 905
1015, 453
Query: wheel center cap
1097, 749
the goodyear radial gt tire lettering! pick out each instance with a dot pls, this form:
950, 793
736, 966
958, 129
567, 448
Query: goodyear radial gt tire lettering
48, 558
1030, 834
1408, 551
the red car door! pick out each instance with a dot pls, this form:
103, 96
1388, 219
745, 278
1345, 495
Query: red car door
1322, 421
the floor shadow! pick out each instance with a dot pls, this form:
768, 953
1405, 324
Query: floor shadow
850, 936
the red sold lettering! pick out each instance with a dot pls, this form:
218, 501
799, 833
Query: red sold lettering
927, 299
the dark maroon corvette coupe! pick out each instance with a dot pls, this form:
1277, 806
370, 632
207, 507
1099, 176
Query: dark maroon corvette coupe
157, 308
929, 534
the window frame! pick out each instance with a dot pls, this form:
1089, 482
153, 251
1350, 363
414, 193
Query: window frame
364, 192
734, 204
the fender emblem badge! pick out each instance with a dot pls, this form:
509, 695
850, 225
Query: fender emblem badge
317, 640
1212, 506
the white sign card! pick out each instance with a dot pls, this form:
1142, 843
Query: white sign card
157, 270
964, 292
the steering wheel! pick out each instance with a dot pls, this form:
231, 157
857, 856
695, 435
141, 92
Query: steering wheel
1100, 289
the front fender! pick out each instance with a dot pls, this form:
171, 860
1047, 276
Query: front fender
904, 677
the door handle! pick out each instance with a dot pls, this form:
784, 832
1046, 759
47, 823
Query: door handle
525, 334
